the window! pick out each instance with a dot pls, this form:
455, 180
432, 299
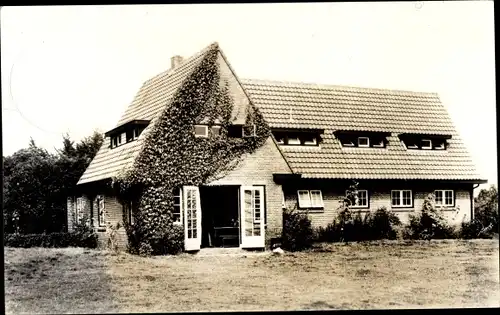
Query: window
79, 208
201, 131
293, 140
362, 139
114, 142
361, 200
177, 213
310, 199
249, 131
439, 145
402, 198
100, 210
444, 198
296, 138
426, 144
128, 209
215, 130
363, 142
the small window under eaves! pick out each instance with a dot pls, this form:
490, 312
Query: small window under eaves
426, 144
201, 131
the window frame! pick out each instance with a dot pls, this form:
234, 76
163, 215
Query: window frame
400, 205
101, 220
429, 147
443, 204
367, 200
215, 127
254, 131
179, 193
205, 135
367, 145
308, 204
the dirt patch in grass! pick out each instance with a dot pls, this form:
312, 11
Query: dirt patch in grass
375, 275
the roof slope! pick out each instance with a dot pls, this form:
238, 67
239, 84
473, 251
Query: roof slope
153, 97
329, 107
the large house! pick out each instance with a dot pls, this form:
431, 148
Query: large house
399, 146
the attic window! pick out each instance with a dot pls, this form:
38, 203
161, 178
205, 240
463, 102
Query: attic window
201, 131
215, 130
296, 138
249, 131
362, 139
364, 142
424, 142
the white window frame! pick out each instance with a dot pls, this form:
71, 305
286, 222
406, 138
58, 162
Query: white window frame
429, 147
441, 147
381, 144
443, 192
356, 205
254, 132
218, 129
295, 140
308, 202
348, 143
205, 135
313, 142
101, 220
78, 207
367, 145
400, 205
181, 209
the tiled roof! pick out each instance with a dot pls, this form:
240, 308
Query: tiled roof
311, 106
329, 107
153, 97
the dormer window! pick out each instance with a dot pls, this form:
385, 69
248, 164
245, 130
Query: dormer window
201, 131
297, 137
424, 142
362, 139
127, 132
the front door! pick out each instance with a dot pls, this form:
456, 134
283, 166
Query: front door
252, 216
192, 217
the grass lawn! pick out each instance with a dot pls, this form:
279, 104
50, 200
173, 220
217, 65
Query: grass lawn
377, 275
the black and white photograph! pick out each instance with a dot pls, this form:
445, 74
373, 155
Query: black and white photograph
249, 157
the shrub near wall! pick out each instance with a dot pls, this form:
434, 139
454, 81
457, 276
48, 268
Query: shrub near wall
297, 233
59, 240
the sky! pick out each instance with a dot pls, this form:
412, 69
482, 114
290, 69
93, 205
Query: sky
75, 69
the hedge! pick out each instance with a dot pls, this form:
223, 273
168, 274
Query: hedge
61, 239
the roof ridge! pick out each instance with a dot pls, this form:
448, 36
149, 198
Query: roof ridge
323, 85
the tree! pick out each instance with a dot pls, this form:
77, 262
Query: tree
486, 208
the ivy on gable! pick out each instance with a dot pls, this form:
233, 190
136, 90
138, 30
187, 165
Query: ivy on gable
172, 156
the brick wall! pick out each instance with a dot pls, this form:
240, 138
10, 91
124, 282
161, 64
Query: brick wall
379, 196
113, 213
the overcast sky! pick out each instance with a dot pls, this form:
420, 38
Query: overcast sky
73, 69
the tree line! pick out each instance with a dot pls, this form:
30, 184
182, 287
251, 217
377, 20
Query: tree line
36, 184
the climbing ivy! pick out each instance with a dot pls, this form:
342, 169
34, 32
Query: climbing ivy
172, 156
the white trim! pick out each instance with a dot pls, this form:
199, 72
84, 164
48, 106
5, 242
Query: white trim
201, 135
313, 142
306, 201
367, 145
429, 147
443, 204
400, 205
192, 243
381, 144
101, 220
367, 200
296, 141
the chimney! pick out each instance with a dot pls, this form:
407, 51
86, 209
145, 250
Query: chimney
175, 61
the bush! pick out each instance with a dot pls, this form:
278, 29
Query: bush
58, 240
297, 232
428, 223
350, 227
171, 243
475, 229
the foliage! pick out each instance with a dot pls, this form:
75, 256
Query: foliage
428, 223
486, 211
173, 157
36, 184
297, 232
57, 239
112, 236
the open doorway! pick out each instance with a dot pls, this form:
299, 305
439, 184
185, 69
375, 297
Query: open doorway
220, 216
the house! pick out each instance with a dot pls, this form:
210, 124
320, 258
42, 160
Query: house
399, 145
